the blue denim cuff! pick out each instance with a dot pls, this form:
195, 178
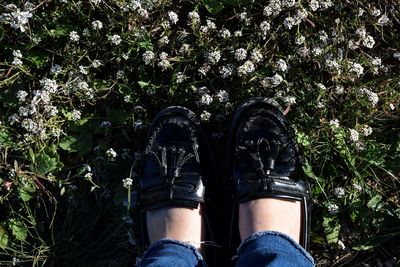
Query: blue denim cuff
282, 236
189, 248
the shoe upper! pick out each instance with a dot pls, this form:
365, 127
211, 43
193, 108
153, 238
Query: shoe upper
171, 168
265, 156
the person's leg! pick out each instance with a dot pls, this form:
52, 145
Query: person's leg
172, 190
178, 223
270, 231
272, 200
270, 214
175, 235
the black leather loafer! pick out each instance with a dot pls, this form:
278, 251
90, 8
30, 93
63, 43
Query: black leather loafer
265, 157
171, 173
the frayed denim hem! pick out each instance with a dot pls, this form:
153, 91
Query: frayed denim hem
283, 236
160, 242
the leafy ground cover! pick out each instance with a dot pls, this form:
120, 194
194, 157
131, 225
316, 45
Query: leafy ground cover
80, 81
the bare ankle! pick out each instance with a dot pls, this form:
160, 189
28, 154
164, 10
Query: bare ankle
177, 223
270, 214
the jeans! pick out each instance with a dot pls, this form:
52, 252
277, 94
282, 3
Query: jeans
261, 249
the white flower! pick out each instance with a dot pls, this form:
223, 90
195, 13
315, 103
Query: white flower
74, 37
289, 22
163, 40
272, 81
205, 115
49, 85
288, 3
105, 124
246, 69
148, 57
202, 90
194, 17
353, 44
226, 71
314, 5
375, 12
299, 40
213, 57
17, 19
273, 9
237, 33
17, 62
372, 97
17, 54
281, 65
50, 110
376, 61
321, 87
361, 32
55, 69
83, 70
339, 89
180, 77
357, 187
21, 95
396, 55
209, 27
173, 17
223, 96
383, 20
392, 106
356, 68
256, 56
95, 2
240, 54
225, 33
368, 42
203, 70
97, 25
339, 192
354, 135
76, 115
366, 130
96, 63
164, 63
289, 100
127, 182
115, 39
111, 154
334, 123
206, 99
333, 209
265, 27
317, 51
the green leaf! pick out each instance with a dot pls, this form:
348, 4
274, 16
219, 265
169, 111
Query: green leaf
213, 6
45, 164
3, 237
143, 84
146, 45
331, 229
61, 30
26, 189
375, 203
18, 229
37, 58
376, 241
5, 138
82, 143
32, 155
